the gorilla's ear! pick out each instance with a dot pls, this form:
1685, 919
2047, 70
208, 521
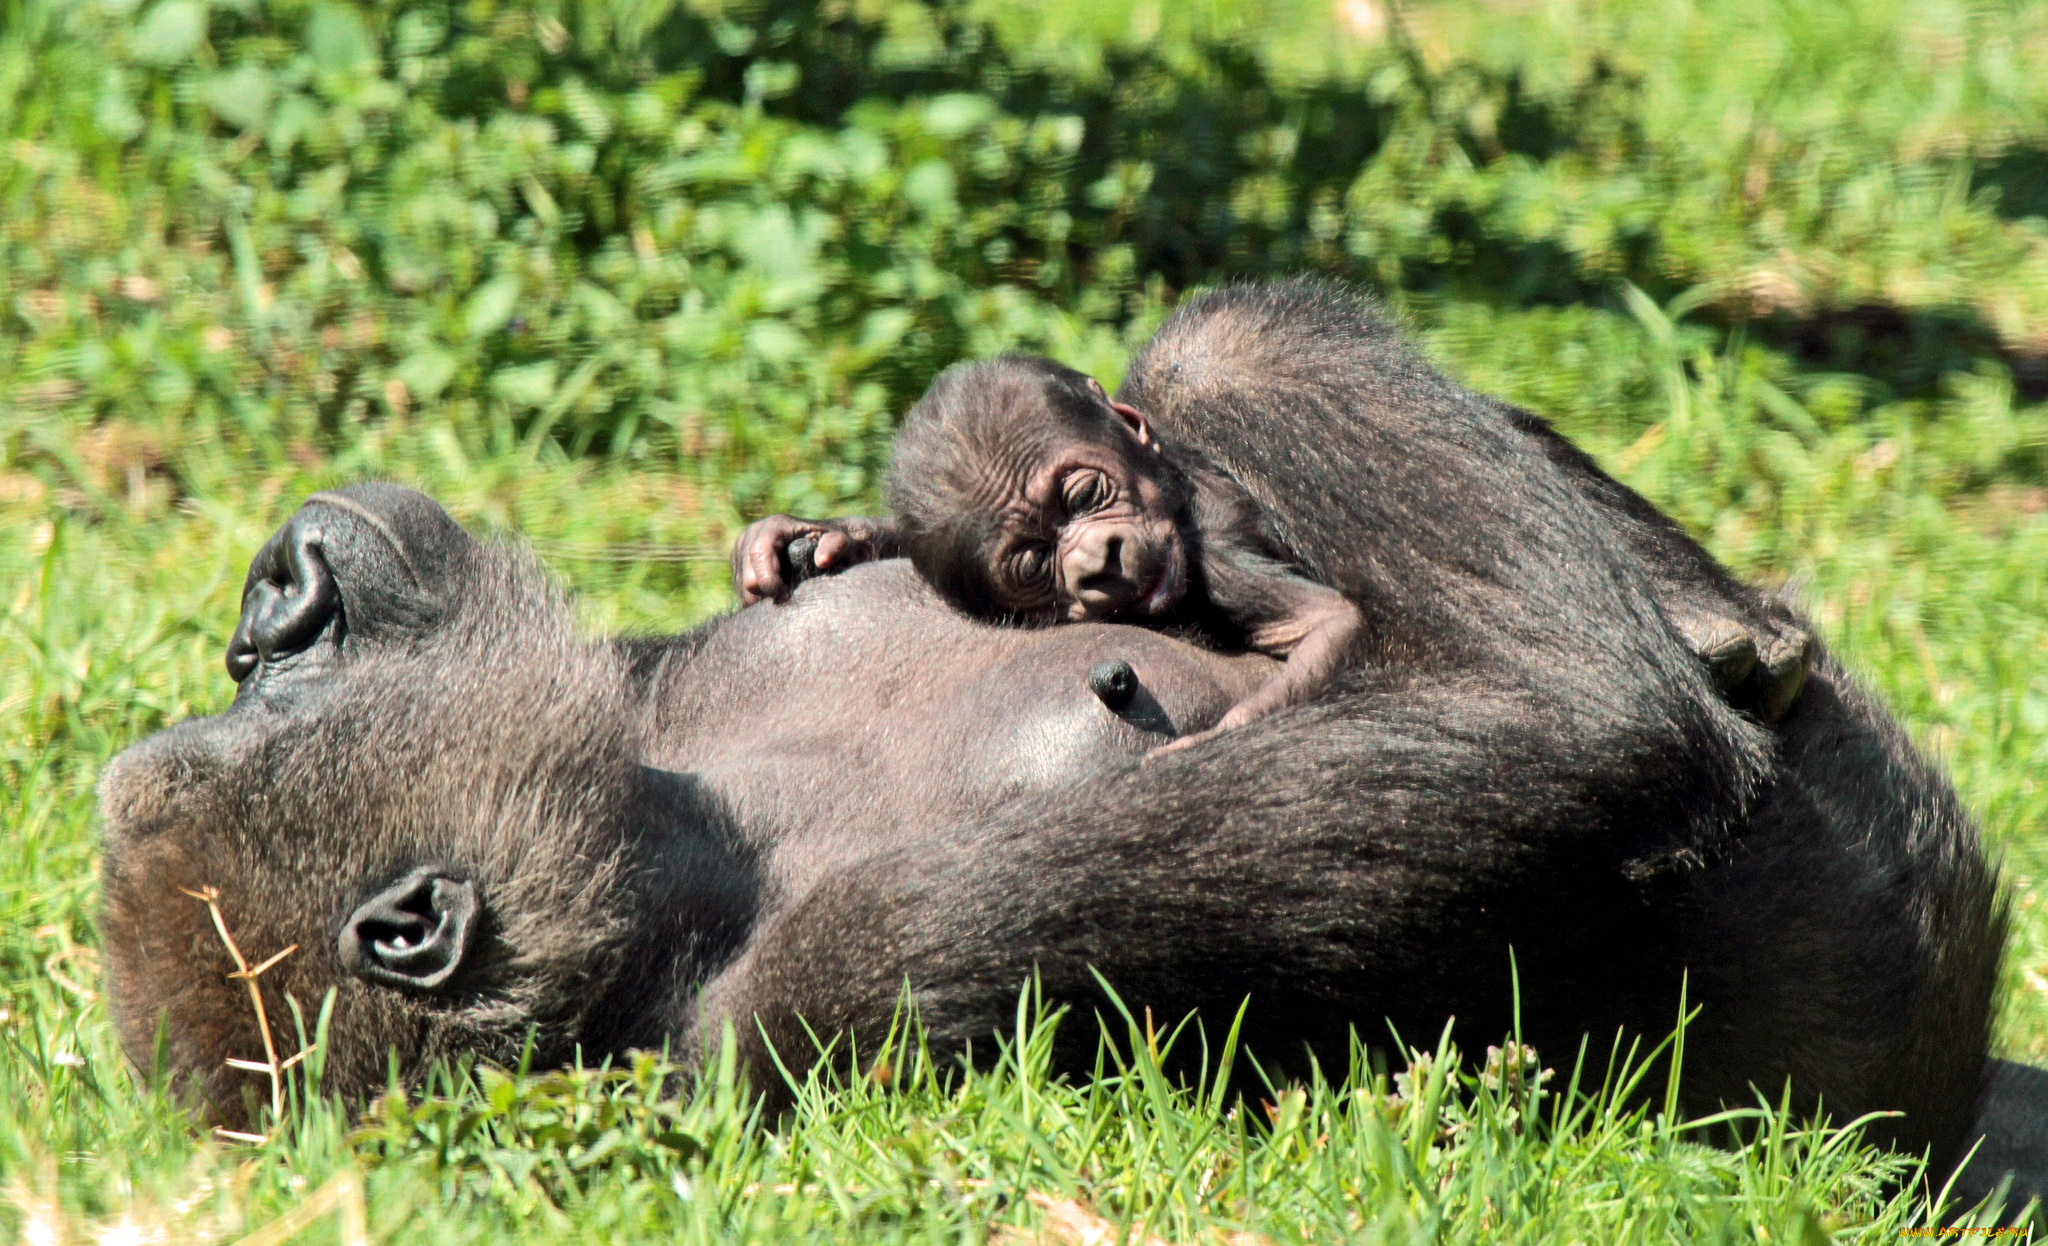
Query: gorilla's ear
414, 934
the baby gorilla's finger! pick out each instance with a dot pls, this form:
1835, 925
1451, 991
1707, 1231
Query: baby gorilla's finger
764, 572
1179, 746
746, 584
832, 549
761, 552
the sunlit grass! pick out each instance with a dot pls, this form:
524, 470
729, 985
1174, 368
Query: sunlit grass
602, 308
1915, 533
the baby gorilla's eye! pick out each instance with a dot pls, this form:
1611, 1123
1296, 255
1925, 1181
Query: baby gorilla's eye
1028, 565
1085, 492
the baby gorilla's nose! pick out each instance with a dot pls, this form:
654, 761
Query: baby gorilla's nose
1096, 570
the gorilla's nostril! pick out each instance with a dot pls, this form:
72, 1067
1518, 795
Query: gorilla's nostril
414, 934
291, 596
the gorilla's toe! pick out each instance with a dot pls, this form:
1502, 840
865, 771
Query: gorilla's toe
1781, 671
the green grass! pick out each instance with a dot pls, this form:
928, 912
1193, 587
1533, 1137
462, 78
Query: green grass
1909, 530
912, 1152
613, 286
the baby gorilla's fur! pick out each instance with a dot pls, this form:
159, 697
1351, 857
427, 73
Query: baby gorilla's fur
1022, 492
1259, 421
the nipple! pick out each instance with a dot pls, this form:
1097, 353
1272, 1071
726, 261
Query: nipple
1114, 683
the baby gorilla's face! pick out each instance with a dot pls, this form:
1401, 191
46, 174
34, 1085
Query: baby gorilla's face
1092, 530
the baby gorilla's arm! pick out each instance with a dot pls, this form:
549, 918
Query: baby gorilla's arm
1309, 624
757, 557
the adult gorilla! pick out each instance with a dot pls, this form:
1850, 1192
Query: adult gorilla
476, 825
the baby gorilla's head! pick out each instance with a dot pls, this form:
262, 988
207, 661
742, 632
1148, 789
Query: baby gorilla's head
1021, 491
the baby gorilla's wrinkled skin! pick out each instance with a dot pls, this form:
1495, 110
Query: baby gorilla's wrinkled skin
1023, 493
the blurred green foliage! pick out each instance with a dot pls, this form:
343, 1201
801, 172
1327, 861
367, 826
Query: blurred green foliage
736, 238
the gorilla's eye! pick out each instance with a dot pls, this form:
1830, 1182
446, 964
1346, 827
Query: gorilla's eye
1029, 564
1086, 492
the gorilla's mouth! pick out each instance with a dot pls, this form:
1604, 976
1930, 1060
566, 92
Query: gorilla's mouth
1165, 591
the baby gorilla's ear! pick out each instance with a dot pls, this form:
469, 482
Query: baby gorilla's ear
1139, 425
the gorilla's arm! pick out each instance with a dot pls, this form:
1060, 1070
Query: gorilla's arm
1758, 650
1382, 846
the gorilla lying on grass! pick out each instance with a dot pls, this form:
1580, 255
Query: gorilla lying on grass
476, 825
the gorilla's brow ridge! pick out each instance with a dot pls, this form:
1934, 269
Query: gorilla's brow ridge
375, 521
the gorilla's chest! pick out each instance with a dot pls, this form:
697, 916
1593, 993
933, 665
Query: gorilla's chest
865, 714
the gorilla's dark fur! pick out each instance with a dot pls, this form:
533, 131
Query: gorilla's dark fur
793, 809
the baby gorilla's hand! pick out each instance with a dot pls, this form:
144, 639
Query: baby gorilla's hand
1240, 714
1759, 658
758, 557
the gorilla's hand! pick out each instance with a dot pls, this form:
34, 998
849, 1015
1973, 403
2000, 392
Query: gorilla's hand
766, 561
1758, 657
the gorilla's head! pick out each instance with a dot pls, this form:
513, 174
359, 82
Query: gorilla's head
426, 783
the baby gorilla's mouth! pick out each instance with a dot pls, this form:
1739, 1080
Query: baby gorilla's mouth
1165, 591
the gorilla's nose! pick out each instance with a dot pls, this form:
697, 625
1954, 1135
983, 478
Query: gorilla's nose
414, 934
289, 599
1095, 569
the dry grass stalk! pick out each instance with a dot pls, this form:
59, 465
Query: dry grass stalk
270, 1064
88, 960
1069, 1223
342, 1194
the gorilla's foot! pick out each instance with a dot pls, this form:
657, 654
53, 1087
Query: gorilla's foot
1759, 661
2011, 1137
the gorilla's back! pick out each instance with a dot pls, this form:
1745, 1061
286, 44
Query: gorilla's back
1854, 932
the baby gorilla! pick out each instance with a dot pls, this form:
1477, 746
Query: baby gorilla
1022, 493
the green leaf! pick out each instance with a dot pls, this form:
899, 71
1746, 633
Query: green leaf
884, 327
338, 41
771, 80
529, 385
931, 186
241, 98
172, 31
427, 373
491, 306
776, 342
116, 115
586, 110
958, 114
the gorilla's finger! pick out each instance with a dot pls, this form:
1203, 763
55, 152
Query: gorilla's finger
830, 550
